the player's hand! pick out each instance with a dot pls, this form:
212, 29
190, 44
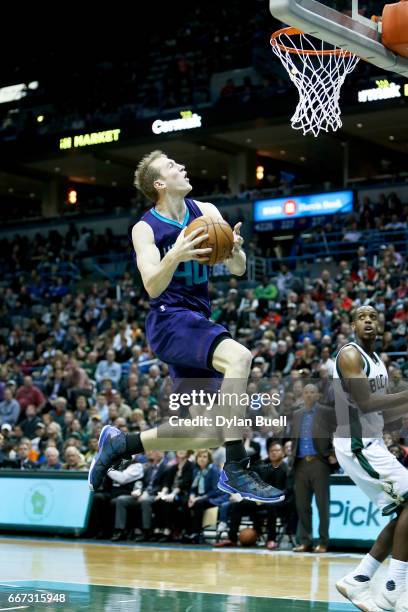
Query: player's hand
238, 239
187, 247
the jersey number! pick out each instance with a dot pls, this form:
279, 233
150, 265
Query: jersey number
193, 272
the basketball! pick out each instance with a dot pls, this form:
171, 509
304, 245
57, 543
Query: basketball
248, 536
220, 238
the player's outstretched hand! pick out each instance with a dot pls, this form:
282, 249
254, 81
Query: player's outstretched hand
238, 239
186, 247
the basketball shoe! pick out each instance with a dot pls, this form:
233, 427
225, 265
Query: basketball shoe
402, 605
388, 597
111, 449
237, 478
358, 593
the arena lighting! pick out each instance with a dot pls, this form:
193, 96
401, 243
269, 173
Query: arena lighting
86, 140
12, 93
384, 91
72, 198
260, 173
188, 121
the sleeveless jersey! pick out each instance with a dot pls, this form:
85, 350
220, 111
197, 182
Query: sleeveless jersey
189, 286
356, 429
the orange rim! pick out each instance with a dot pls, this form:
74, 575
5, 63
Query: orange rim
295, 32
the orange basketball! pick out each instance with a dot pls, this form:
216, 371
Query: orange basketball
248, 536
220, 238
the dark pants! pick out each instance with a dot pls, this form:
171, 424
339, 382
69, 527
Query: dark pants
197, 513
240, 509
285, 511
171, 515
99, 519
312, 477
122, 504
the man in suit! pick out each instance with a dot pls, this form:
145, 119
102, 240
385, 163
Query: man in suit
312, 457
22, 461
154, 479
109, 503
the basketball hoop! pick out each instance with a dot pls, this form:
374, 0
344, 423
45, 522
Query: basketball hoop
318, 73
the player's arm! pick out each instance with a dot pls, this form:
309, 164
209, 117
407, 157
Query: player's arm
157, 273
351, 366
236, 264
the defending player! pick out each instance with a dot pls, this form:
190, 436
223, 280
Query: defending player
362, 407
178, 328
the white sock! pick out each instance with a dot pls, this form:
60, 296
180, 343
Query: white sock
397, 574
367, 567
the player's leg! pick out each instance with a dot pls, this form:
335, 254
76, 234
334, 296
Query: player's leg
356, 585
211, 349
394, 594
234, 361
114, 445
373, 477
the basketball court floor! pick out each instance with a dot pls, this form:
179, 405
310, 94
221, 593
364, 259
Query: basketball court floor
92, 576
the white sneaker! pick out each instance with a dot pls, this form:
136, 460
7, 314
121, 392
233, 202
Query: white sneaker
402, 605
222, 527
387, 600
358, 593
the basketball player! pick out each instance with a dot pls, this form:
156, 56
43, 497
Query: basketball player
178, 328
362, 407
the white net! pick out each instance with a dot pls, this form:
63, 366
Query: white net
318, 73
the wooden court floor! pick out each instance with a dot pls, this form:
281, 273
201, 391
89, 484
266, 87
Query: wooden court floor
106, 577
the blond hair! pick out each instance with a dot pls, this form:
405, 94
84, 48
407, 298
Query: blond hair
146, 174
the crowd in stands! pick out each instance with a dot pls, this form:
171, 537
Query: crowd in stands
56, 259
73, 357
171, 68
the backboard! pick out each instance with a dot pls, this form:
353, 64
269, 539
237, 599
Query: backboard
351, 31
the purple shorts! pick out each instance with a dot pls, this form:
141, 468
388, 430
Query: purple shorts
185, 340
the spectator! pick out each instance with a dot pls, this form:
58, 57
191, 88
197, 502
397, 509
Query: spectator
92, 449
29, 424
172, 499
101, 407
29, 393
275, 472
326, 361
312, 456
52, 461
9, 408
153, 481
204, 494
109, 369
81, 412
123, 409
74, 460
59, 410
22, 461
125, 481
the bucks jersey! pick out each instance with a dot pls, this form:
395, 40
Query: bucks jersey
356, 429
189, 286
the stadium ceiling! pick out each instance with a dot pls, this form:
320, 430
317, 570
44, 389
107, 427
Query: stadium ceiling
208, 153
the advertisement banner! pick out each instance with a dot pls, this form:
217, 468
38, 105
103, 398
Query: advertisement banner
43, 502
296, 207
352, 516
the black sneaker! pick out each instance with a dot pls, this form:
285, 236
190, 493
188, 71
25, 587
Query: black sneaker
111, 449
119, 535
237, 478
